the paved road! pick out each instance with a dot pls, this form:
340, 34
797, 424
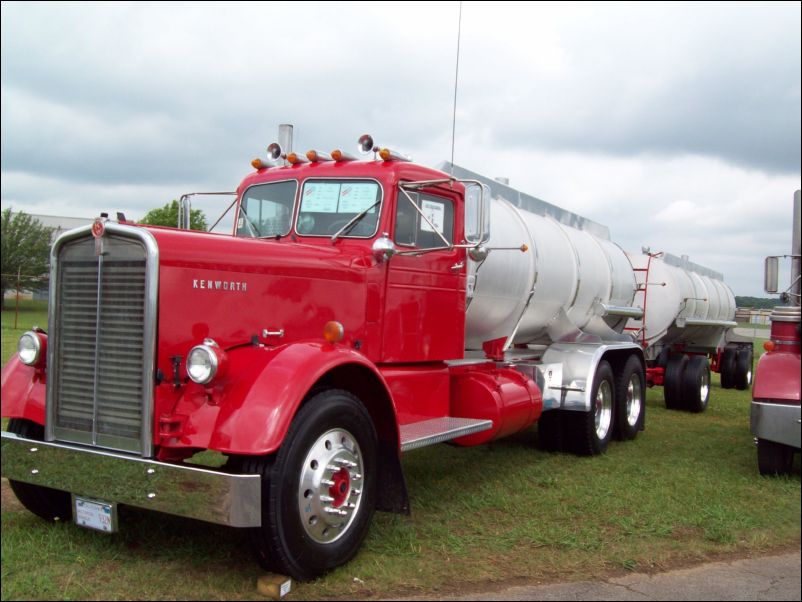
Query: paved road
767, 578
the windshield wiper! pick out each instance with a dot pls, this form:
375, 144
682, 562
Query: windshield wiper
354, 220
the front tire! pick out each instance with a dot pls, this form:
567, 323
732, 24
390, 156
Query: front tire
318, 490
774, 458
44, 502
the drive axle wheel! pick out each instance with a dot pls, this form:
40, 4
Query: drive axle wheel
318, 490
696, 384
588, 433
630, 400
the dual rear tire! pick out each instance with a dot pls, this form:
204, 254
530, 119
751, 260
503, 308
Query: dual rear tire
618, 406
687, 383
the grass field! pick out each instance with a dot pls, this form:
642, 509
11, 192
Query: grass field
686, 490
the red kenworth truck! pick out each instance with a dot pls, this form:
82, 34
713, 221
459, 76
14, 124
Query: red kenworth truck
776, 395
359, 309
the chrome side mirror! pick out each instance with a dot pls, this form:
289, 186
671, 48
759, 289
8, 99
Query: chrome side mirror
771, 276
383, 248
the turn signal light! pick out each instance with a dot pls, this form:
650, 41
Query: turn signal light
333, 332
769, 346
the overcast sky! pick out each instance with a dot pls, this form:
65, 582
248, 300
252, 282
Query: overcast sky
676, 125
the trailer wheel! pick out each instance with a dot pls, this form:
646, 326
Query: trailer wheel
743, 369
727, 369
673, 379
49, 504
318, 490
774, 458
630, 406
588, 433
696, 384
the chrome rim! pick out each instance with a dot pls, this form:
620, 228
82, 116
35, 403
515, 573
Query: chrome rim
634, 400
749, 377
604, 409
330, 487
704, 389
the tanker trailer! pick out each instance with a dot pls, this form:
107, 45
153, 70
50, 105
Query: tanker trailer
557, 313
686, 330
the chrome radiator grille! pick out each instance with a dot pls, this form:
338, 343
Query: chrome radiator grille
99, 372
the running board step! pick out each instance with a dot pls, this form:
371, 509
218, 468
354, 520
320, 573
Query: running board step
437, 430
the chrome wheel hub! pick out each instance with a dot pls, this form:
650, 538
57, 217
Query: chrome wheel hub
330, 487
634, 400
704, 389
604, 409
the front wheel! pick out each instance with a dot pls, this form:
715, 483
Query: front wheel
319, 490
774, 458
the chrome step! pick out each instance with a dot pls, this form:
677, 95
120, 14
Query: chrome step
437, 430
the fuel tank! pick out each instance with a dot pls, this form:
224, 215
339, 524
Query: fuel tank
566, 275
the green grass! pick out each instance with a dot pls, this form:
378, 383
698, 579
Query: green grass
686, 490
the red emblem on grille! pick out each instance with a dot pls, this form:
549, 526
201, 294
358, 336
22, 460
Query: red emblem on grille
98, 228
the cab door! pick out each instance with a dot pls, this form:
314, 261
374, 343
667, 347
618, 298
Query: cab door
424, 313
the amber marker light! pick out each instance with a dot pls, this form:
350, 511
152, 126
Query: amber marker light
769, 345
333, 332
295, 158
259, 164
340, 155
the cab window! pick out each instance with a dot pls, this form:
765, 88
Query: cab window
266, 210
328, 206
411, 230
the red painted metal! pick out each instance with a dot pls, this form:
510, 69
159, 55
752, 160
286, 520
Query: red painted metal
23, 391
504, 395
420, 392
655, 377
341, 488
777, 376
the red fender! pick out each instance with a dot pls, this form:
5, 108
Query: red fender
250, 412
23, 391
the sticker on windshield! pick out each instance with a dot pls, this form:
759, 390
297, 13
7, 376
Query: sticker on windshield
435, 213
355, 197
321, 197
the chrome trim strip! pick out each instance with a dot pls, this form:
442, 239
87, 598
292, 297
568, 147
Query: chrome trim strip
437, 430
150, 320
203, 494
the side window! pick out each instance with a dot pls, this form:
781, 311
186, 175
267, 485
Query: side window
412, 230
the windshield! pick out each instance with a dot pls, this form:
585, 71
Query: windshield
327, 206
266, 210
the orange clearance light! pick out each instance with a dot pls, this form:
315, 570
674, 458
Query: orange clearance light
333, 332
340, 155
769, 345
317, 156
524, 248
385, 154
295, 158
259, 164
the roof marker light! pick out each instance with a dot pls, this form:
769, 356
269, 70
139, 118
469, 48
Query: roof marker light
259, 164
340, 155
295, 158
390, 155
317, 156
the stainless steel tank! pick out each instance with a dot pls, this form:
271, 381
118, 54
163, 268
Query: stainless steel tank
566, 277
684, 303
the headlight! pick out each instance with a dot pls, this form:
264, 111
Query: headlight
205, 361
29, 348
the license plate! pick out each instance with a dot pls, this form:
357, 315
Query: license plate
95, 515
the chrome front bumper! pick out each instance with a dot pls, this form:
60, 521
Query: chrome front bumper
216, 497
777, 422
